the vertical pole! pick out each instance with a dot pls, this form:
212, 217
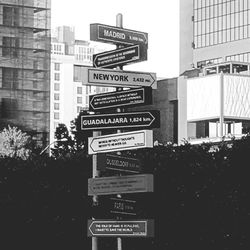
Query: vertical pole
119, 23
221, 104
95, 173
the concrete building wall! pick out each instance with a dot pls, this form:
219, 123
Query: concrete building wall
164, 100
186, 35
182, 109
206, 102
221, 51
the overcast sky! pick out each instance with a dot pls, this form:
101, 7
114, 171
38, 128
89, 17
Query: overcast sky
158, 18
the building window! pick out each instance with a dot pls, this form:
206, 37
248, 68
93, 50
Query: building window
56, 115
201, 64
56, 125
79, 90
218, 22
56, 86
56, 106
10, 47
245, 57
9, 78
56, 96
79, 108
57, 77
9, 107
10, 16
57, 66
79, 99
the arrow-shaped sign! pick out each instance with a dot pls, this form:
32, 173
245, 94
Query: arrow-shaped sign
121, 141
120, 57
116, 35
114, 78
131, 98
124, 228
140, 119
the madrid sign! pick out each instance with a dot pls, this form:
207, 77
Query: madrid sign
116, 35
120, 142
124, 228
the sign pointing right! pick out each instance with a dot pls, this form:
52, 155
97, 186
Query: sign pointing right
132, 120
114, 78
116, 35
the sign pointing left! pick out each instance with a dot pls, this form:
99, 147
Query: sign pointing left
120, 57
121, 141
109, 228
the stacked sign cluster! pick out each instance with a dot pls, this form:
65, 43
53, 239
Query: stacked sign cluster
132, 48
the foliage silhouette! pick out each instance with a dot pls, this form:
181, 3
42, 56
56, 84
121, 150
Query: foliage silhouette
200, 199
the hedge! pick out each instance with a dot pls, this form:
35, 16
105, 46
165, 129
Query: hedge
200, 200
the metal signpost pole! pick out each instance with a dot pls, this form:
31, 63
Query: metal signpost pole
95, 173
119, 24
114, 185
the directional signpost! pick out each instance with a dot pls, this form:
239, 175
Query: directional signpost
121, 141
130, 228
131, 48
133, 97
140, 119
120, 184
116, 35
118, 163
119, 57
116, 78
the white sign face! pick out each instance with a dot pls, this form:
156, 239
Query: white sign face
120, 184
115, 78
121, 228
119, 142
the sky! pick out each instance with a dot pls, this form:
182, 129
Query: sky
158, 18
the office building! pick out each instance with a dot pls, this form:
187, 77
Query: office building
68, 97
214, 82
25, 66
216, 103
213, 31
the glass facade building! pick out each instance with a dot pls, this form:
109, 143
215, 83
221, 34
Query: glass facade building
213, 31
220, 21
25, 66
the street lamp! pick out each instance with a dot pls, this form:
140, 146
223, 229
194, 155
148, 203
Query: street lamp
63, 139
